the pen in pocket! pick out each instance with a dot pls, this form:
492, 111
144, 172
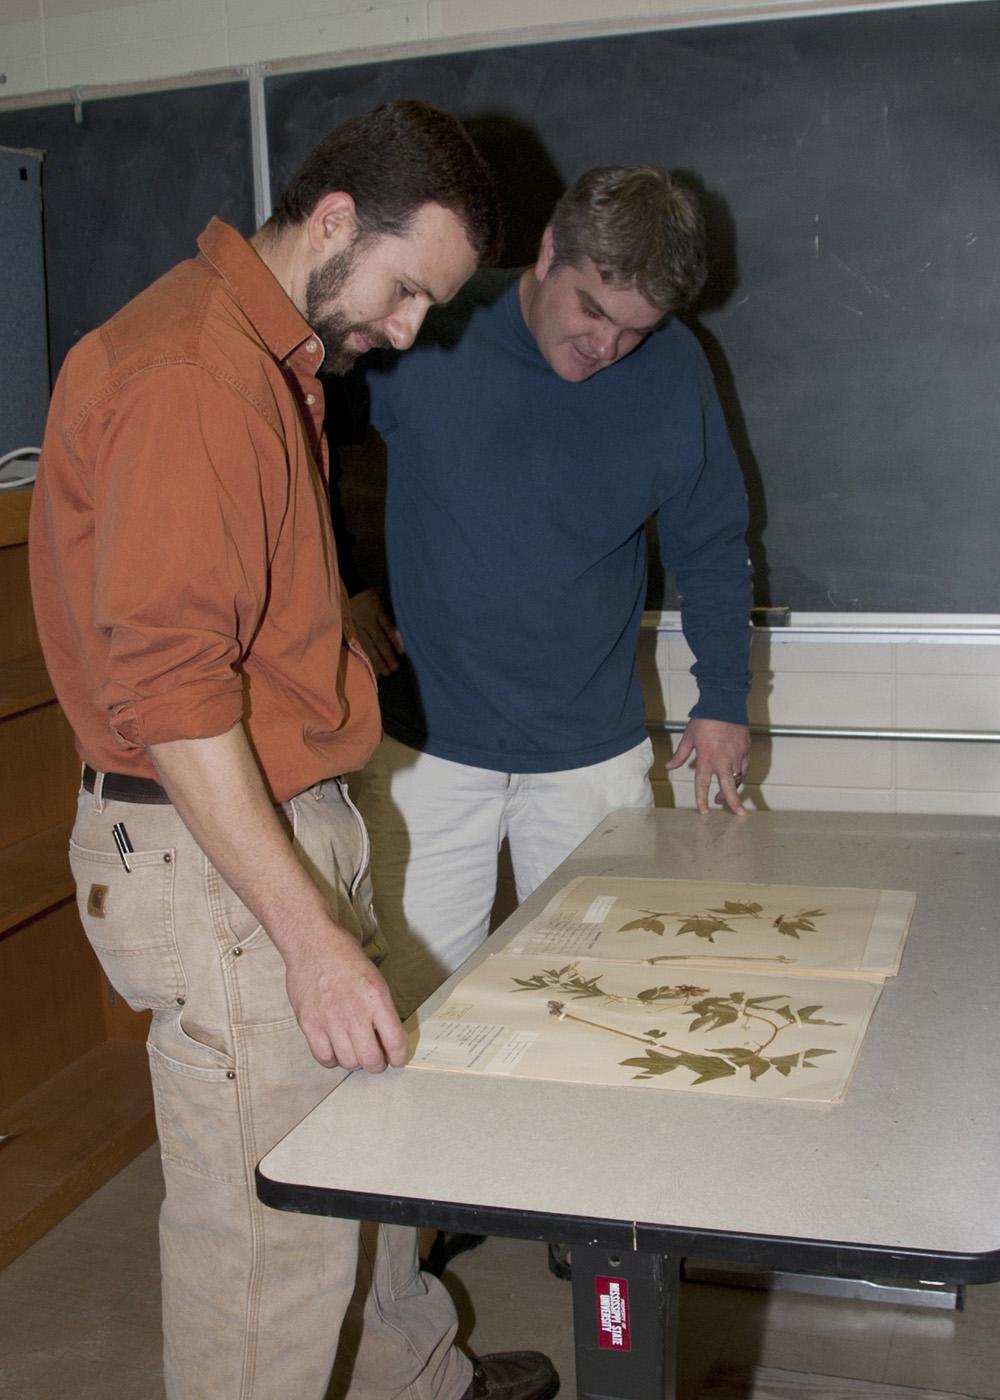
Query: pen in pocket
123, 843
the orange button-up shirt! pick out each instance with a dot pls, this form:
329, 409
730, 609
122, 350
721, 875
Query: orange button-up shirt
182, 563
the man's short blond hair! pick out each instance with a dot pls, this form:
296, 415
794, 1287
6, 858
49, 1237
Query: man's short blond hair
640, 227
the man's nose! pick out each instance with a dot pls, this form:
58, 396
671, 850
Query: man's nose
402, 326
605, 342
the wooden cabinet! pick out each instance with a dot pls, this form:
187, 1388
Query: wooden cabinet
74, 1083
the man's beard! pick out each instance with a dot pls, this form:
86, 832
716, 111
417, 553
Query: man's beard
332, 325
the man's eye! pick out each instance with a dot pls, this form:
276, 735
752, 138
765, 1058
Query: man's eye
406, 291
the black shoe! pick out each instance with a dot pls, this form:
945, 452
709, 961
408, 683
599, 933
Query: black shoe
445, 1247
560, 1260
512, 1375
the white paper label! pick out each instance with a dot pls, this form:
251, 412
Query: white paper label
599, 909
511, 1052
457, 1044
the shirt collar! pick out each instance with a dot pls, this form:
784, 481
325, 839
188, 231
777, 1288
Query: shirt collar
519, 326
273, 314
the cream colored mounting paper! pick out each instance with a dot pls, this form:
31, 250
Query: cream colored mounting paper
757, 1035
799, 930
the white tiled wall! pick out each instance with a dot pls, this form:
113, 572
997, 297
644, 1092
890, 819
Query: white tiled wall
56, 44
918, 683
85, 44
260, 31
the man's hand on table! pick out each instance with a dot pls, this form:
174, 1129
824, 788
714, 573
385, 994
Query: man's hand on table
343, 1005
339, 997
376, 631
721, 751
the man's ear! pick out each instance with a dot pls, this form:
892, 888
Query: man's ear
331, 226
546, 251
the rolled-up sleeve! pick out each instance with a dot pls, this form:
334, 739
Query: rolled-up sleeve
181, 551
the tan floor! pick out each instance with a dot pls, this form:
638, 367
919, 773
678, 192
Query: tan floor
79, 1316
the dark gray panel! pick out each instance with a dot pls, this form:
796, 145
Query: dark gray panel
24, 356
128, 191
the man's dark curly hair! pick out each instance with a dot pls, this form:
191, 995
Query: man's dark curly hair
392, 161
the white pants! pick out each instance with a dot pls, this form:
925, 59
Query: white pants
436, 830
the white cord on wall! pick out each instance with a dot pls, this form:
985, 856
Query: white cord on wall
25, 478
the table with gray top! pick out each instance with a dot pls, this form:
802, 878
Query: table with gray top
901, 1180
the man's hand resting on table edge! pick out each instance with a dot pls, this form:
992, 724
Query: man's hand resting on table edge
377, 632
721, 751
339, 997
342, 1004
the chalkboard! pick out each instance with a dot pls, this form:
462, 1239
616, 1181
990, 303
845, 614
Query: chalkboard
850, 169
24, 361
127, 191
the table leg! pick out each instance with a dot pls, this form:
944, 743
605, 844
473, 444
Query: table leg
625, 1324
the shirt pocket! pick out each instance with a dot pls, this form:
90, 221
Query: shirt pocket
128, 916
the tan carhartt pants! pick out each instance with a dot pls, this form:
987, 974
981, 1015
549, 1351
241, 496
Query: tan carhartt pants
253, 1299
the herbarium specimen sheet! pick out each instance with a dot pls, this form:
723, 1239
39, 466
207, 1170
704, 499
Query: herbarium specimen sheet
763, 991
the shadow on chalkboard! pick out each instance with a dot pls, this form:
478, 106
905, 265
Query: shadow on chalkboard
529, 186
721, 287
740, 438
526, 178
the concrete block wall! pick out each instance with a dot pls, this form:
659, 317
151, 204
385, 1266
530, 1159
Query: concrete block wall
57, 44
888, 683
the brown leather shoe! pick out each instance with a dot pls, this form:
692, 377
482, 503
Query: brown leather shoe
512, 1375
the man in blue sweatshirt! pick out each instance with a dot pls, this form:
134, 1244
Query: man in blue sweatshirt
539, 421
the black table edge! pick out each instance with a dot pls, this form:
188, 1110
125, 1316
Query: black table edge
838, 1258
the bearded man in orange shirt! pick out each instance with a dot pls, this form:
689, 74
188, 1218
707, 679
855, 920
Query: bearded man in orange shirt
194, 626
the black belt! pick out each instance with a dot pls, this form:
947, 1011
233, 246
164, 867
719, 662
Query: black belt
124, 787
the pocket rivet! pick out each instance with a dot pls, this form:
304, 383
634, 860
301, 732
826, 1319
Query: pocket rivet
167, 858
180, 1001
230, 1074
237, 952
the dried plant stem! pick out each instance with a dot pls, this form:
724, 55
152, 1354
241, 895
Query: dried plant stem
612, 1030
721, 957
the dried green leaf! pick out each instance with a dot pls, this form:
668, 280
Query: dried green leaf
704, 1067
808, 1019
708, 1067
704, 927
713, 1012
650, 925
785, 1012
663, 993
653, 1062
784, 1064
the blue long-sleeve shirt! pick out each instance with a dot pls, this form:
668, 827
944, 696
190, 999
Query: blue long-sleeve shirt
515, 546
